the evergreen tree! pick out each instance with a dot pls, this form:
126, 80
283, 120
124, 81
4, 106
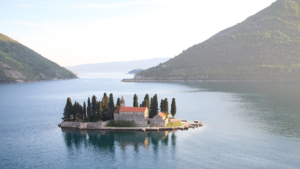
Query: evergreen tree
84, 111
94, 108
105, 101
173, 107
166, 106
111, 102
135, 101
67, 110
75, 111
155, 105
118, 105
141, 105
89, 110
151, 108
146, 102
80, 112
99, 111
162, 105
111, 106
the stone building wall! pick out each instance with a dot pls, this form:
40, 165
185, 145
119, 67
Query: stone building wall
137, 117
157, 121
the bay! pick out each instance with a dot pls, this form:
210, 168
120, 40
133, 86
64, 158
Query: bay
246, 125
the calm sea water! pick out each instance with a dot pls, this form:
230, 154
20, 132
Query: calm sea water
246, 125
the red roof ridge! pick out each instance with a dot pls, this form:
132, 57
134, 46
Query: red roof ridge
161, 114
133, 109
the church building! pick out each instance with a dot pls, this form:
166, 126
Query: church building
140, 115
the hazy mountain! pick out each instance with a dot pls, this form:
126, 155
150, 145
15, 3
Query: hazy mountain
21, 64
118, 66
266, 45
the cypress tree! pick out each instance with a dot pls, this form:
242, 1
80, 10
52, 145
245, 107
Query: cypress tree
89, 110
118, 105
99, 111
111, 106
166, 106
80, 112
94, 108
135, 101
67, 110
155, 105
84, 111
173, 107
162, 105
74, 111
151, 109
147, 103
111, 102
105, 101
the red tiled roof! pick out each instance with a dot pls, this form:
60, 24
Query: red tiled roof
161, 114
133, 109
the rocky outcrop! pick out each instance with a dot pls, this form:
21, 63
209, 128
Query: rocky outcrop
10, 72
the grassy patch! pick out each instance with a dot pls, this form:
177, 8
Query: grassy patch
121, 123
176, 124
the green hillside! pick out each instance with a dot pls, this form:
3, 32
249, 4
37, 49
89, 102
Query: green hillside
266, 45
21, 64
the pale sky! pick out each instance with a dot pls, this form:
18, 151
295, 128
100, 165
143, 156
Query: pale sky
73, 32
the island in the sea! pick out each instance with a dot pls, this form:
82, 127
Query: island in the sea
105, 115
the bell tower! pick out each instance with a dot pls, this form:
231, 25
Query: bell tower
122, 102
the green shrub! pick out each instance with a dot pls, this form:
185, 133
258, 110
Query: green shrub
121, 123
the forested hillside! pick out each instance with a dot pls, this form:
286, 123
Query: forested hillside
21, 64
266, 45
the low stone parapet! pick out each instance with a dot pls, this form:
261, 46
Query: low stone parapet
83, 126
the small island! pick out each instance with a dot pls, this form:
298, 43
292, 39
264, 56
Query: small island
105, 115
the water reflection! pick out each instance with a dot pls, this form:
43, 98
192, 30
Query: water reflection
108, 140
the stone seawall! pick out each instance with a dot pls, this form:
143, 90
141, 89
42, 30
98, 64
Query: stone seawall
83, 126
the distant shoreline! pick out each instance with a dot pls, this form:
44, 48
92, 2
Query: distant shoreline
37, 81
207, 80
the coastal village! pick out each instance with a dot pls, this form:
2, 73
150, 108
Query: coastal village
147, 117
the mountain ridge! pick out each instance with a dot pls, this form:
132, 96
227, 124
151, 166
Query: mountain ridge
20, 64
265, 45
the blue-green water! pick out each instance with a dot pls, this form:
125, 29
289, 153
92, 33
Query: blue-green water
246, 125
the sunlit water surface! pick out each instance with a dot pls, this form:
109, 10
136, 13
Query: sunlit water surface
246, 125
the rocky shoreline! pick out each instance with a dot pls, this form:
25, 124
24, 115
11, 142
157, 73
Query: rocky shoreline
170, 80
21, 81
